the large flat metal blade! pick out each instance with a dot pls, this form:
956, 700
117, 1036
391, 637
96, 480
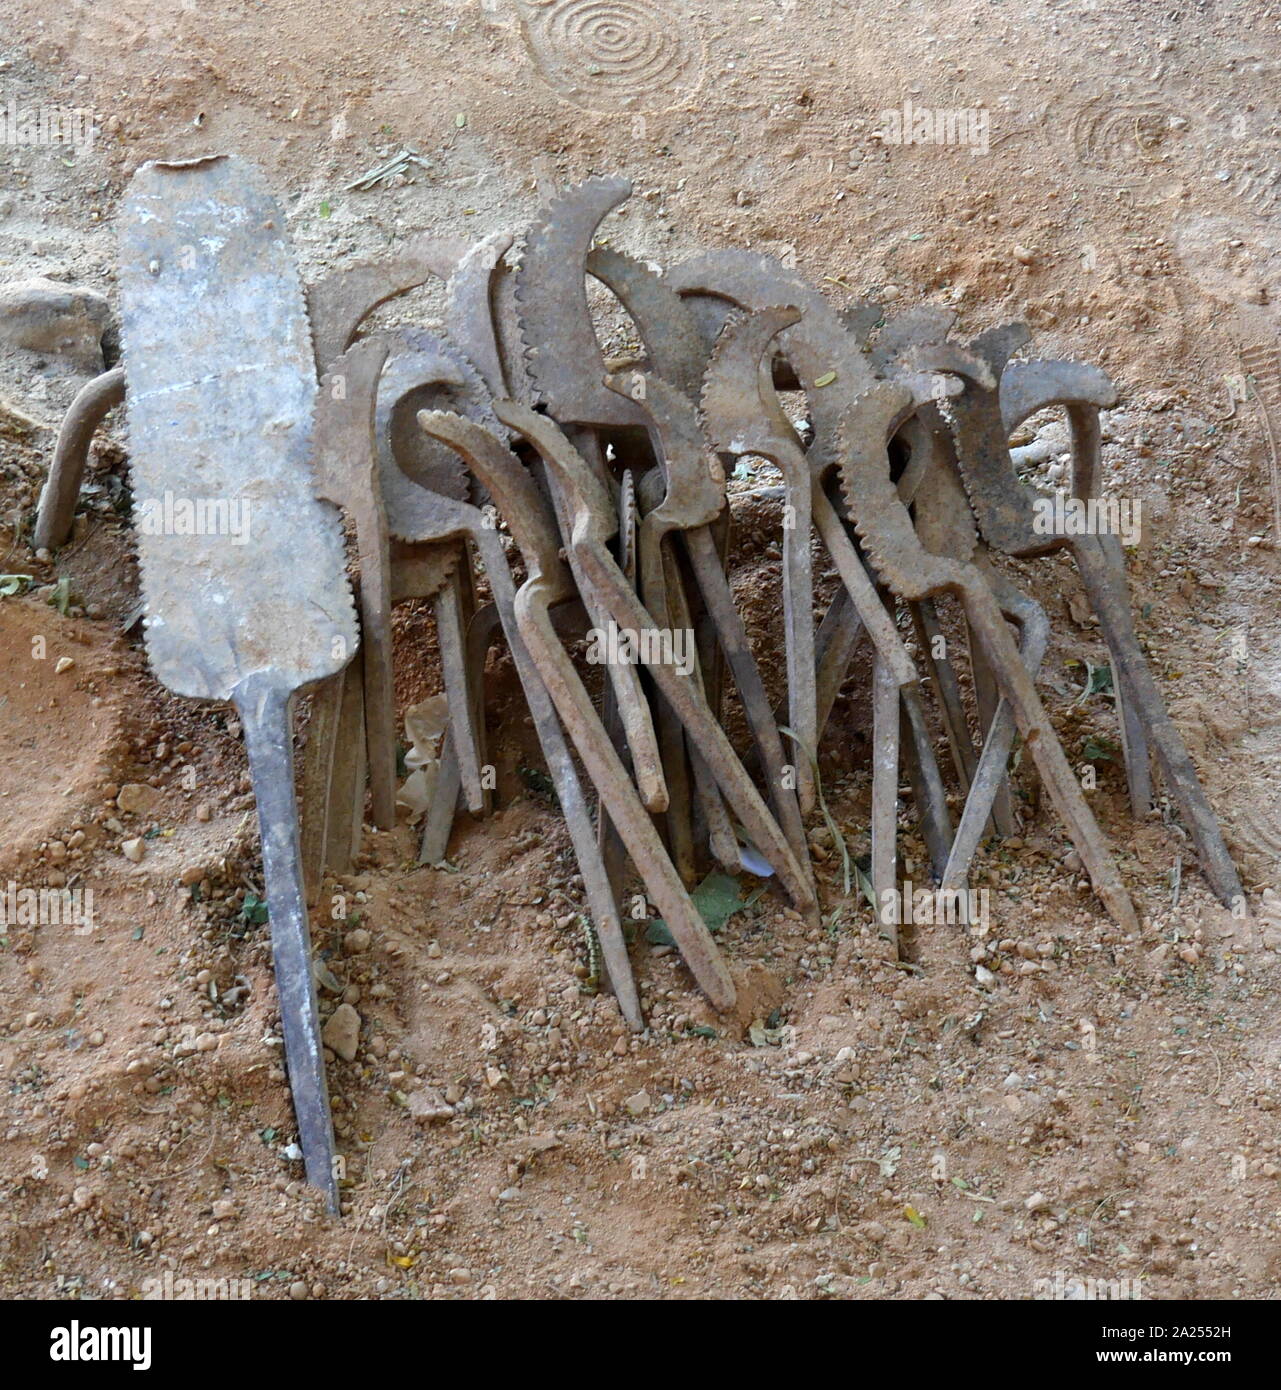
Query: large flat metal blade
242, 566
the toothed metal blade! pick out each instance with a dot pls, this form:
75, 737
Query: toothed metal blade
221, 391
562, 352
340, 300
424, 372
471, 312
665, 322
825, 354
221, 380
882, 521
1032, 384
923, 323
738, 416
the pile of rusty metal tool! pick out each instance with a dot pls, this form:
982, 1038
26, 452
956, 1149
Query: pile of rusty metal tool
502, 439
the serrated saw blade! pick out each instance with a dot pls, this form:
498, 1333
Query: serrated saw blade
242, 566
425, 371
243, 569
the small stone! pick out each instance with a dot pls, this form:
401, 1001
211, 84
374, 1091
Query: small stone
357, 942
224, 1211
192, 875
637, 1104
97, 1038
1023, 255
82, 1198
133, 850
1037, 1202
342, 1033
203, 812
984, 976
65, 663
460, 1276
136, 798
428, 1104
207, 1042
47, 317
299, 1291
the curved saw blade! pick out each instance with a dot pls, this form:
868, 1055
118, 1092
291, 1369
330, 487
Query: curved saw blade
562, 352
424, 372
915, 327
872, 501
470, 316
740, 412
342, 299
628, 520
665, 322
826, 356
1034, 383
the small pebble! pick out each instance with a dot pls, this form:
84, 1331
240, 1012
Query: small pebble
637, 1104
136, 798
342, 1032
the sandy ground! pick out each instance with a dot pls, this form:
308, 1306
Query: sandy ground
1094, 1106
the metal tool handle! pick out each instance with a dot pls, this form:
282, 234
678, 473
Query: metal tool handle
989, 626
1111, 604
264, 712
57, 507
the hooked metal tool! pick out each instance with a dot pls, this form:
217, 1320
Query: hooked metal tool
912, 572
1004, 509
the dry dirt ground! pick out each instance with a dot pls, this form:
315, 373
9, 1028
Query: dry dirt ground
1096, 1106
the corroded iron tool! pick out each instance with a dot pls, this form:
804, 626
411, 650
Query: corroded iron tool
1005, 512
626, 611
517, 498
221, 394
910, 571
